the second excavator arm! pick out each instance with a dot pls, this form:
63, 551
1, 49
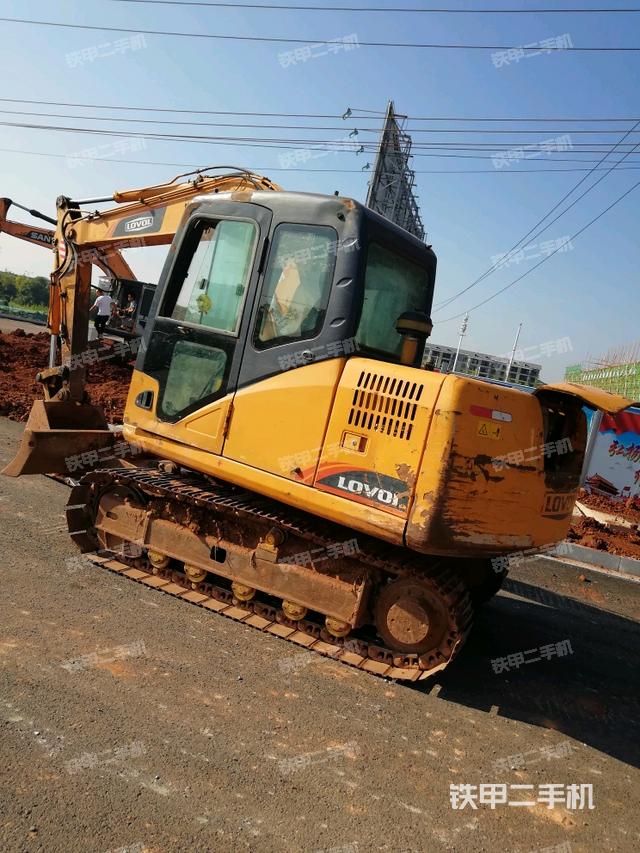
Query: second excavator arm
113, 264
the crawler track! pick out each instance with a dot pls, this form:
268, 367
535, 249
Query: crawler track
193, 497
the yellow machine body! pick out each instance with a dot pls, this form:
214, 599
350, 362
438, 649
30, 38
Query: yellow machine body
417, 458
441, 464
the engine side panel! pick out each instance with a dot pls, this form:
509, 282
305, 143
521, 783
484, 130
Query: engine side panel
373, 448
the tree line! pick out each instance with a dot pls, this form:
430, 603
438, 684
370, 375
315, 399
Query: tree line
24, 289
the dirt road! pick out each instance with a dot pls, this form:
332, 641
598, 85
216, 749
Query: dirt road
7, 324
132, 720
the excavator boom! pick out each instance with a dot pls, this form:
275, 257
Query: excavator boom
65, 422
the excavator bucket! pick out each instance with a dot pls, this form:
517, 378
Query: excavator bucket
57, 430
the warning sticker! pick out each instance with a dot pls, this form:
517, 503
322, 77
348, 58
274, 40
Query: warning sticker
489, 429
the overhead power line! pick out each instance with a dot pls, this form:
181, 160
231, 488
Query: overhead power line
267, 169
381, 115
543, 260
335, 144
291, 40
410, 9
343, 128
298, 145
377, 113
493, 268
147, 109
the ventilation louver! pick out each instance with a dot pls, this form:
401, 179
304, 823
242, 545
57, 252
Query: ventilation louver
385, 404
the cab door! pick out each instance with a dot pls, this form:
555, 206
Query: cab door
292, 361
195, 348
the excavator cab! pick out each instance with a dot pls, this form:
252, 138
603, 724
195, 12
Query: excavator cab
254, 288
130, 317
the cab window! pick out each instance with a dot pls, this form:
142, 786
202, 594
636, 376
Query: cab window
215, 279
297, 284
392, 285
196, 372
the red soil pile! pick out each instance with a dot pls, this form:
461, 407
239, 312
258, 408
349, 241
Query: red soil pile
612, 538
628, 509
23, 355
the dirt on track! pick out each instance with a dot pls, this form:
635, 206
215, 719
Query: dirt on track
22, 355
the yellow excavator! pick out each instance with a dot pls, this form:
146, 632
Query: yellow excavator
303, 474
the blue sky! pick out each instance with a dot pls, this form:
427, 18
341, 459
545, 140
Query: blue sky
587, 294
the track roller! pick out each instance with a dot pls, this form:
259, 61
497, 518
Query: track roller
158, 560
294, 611
242, 592
337, 628
195, 573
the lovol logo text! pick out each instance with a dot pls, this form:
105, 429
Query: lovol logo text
149, 221
389, 492
558, 505
374, 493
141, 223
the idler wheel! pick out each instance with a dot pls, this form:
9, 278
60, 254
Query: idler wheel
411, 617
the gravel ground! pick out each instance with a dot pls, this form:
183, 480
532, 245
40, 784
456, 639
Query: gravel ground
132, 721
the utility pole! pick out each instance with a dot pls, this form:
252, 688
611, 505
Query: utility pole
513, 353
463, 331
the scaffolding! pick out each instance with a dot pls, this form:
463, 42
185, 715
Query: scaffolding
392, 186
617, 371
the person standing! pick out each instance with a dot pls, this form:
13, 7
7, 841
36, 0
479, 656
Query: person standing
105, 306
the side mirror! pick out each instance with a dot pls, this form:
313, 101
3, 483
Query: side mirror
414, 327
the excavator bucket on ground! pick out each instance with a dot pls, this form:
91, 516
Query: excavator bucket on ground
57, 430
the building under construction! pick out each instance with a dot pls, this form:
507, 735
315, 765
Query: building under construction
618, 371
